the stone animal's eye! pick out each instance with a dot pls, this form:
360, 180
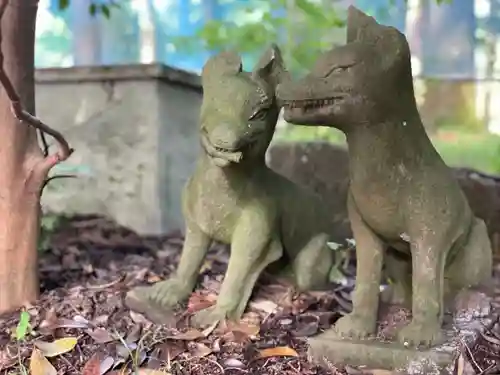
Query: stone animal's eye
338, 69
259, 115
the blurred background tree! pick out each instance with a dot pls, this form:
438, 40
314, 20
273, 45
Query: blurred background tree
454, 51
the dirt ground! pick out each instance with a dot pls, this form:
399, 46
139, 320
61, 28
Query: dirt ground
80, 325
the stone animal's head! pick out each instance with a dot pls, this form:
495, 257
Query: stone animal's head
363, 81
239, 109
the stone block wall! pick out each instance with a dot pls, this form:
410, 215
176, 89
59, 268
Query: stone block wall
134, 131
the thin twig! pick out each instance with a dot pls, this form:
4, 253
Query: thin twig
470, 355
21, 114
46, 182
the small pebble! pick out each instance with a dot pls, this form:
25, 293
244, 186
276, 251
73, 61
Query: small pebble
234, 363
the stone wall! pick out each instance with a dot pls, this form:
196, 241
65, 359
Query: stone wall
134, 131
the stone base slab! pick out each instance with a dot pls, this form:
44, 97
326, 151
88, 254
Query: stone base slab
470, 314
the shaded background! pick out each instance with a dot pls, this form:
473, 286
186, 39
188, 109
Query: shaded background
454, 46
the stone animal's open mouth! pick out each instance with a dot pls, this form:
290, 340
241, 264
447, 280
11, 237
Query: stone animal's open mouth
309, 104
309, 109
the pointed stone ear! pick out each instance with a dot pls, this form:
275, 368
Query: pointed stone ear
360, 26
391, 44
227, 62
271, 67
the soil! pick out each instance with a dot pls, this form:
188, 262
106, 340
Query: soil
91, 262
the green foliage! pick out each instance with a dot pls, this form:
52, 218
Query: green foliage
302, 29
95, 7
23, 327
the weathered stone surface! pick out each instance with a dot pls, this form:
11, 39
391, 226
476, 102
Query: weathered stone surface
323, 168
135, 134
233, 197
407, 211
469, 316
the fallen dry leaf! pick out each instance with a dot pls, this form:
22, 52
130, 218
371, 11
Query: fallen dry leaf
199, 302
247, 329
267, 306
122, 371
52, 322
279, 351
207, 331
135, 334
39, 365
460, 365
138, 318
57, 347
106, 364
193, 334
379, 372
149, 371
190, 335
169, 350
93, 366
100, 335
200, 350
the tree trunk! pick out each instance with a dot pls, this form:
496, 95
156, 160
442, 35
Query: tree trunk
23, 165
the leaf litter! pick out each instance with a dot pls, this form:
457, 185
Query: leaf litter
80, 325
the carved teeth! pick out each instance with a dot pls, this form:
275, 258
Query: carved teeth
309, 103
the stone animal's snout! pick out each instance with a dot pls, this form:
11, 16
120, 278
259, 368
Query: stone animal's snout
320, 98
229, 145
225, 138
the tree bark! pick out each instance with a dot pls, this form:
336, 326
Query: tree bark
23, 165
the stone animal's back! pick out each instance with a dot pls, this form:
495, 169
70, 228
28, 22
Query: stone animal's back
322, 168
303, 213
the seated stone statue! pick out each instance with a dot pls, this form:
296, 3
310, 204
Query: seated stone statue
234, 198
406, 209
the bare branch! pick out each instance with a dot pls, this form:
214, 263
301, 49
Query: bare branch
21, 114
46, 182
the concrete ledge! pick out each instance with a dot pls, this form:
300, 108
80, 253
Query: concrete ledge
118, 73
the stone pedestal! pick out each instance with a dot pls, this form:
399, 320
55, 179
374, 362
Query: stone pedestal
471, 312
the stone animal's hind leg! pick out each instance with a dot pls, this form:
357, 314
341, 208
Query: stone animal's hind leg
164, 295
273, 253
370, 253
313, 263
473, 263
399, 269
254, 246
428, 260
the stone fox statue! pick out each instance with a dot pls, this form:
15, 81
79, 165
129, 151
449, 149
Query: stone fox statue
234, 198
406, 209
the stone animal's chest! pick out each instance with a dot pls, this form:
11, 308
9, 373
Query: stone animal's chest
216, 215
380, 209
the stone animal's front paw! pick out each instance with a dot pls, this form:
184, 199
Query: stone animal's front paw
208, 316
167, 293
355, 326
138, 300
417, 334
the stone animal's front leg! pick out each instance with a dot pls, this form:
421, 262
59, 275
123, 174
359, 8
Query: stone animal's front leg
165, 295
253, 247
362, 321
180, 286
428, 260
